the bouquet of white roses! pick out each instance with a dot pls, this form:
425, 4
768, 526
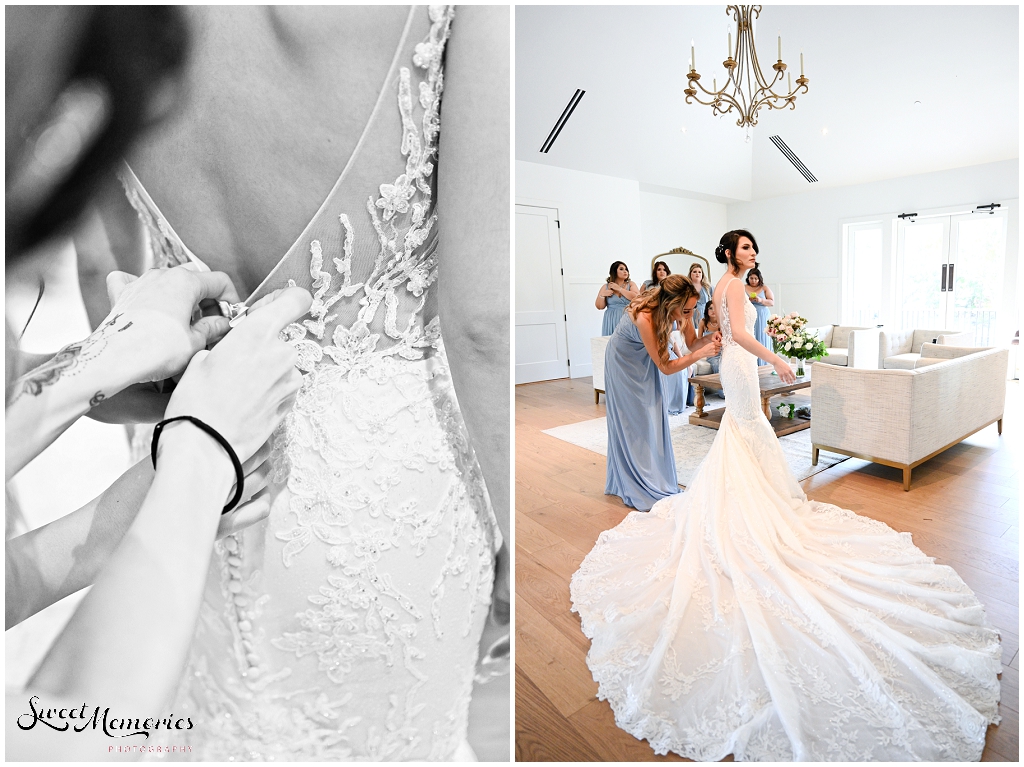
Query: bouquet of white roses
791, 340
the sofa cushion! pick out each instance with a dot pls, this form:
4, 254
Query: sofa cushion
923, 336
836, 357
824, 333
944, 352
906, 361
956, 339
841, 336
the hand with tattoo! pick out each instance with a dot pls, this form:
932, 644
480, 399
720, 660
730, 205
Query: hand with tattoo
151, 334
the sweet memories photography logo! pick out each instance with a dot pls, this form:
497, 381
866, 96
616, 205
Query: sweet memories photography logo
68, 719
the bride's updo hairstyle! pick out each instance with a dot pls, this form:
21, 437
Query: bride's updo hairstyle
729, 242
662, 301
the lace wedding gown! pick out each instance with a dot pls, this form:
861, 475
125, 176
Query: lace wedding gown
347, 625
740, 617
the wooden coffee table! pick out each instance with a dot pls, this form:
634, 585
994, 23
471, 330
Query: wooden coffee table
770, 386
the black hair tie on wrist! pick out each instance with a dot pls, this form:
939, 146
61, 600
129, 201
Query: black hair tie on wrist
239, 473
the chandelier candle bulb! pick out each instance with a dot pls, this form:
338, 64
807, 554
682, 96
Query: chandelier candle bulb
801, 63
729, 49
692, 57
780, 47
789, 83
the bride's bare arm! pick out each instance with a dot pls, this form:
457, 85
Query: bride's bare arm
473, 199
737, 298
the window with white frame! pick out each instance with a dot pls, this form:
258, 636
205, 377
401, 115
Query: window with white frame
865, 277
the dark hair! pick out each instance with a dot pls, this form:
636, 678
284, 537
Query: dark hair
757, 273
129, 50
654, 272
707, 310
613, 271
729, 242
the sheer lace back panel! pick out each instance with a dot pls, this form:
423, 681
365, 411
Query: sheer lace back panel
347, 626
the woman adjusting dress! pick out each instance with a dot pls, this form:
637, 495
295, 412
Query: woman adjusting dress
742, 618
641, 464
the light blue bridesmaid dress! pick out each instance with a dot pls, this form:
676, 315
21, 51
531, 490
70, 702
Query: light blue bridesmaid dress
761, 326
613, 313
641, 463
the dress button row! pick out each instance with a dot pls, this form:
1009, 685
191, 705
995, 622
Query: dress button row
243, 617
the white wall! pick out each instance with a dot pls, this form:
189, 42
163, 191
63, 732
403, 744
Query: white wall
670, 222
800, 236
605, 219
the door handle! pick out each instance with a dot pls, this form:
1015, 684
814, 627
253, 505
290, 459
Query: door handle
944, 278
950, 288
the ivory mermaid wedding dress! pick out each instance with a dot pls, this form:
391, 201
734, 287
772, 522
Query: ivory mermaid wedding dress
347, 626
742, 618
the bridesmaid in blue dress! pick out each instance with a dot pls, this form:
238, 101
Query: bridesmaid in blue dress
703, 288
615, 295
761, 297
676, 385
641, 464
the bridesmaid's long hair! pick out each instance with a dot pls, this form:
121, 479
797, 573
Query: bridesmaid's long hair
662, 301
654, 272
703, 277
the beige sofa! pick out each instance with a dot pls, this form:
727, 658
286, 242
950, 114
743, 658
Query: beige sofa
597, 347
901, 417
839, 341
901, 349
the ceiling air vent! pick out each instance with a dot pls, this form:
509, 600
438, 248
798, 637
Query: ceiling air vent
566, 114
792, 158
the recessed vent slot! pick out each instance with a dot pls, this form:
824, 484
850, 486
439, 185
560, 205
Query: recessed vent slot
791, 156
566, 114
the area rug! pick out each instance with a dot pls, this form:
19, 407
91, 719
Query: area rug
691, 443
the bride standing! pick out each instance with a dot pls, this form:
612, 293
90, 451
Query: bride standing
742, 618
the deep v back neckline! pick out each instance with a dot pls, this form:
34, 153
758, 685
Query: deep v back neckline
129, 178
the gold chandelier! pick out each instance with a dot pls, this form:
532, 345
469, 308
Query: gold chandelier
747, 89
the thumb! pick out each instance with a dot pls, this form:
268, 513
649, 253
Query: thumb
209, 330
116, 283
287, 307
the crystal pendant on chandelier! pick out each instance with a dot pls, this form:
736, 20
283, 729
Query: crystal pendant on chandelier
746, 89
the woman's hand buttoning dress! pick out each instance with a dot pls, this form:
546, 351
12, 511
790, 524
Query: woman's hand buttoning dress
742, 618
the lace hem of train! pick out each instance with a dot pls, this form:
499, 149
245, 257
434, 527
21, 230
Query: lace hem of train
725, 686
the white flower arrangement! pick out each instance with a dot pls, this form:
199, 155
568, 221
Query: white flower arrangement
790, 338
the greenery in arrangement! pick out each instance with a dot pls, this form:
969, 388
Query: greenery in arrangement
792, 340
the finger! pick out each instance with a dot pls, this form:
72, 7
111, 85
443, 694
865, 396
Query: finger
267, 299
116, 283
216, 285
245, 515
209, 330
289, 305
258, 458
256, 481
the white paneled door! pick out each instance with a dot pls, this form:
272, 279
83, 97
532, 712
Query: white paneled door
541, 347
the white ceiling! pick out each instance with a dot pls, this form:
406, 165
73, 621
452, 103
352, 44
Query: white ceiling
867, 66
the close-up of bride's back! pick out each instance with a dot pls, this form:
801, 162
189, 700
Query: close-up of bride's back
348, 624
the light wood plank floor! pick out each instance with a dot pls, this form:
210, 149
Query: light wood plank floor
961, 509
